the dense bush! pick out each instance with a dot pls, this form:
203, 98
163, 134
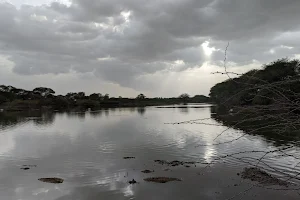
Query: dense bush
12, 98
277, 81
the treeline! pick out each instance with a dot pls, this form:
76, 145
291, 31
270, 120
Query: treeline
12, 98
276, 83
264, 102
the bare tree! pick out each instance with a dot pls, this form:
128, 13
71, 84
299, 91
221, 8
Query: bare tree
257, 102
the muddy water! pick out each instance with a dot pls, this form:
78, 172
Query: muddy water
87, 150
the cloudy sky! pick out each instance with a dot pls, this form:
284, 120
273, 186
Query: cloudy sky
126, 47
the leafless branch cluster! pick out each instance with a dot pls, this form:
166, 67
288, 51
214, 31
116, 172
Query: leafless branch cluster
281, 118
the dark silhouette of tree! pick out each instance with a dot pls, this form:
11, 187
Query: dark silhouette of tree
81, 95
96, 96
12, 98
61, 102
141, 96
106, 97
276, 82
70, 95
200, 98
2, 99
184, 97
43, 91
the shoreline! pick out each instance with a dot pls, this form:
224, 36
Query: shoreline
37, 107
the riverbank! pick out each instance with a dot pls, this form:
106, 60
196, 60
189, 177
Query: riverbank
279, 125
54, 104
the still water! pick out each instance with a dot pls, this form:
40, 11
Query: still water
86, 149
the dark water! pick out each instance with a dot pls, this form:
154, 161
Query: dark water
86, 149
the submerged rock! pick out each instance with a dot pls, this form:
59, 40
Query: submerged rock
29, 165
161, 179
132, 181
129, 157
52, 180
175, 163
147, 171
256, 174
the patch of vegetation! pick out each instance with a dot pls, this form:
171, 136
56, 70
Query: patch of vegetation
258, 175
15, 99
276, 82
146, 171
132, 181
161, 179
175, 162
264, 102
52, 180
129, 157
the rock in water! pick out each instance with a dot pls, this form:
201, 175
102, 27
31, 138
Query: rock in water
174, 163
52, 180
161, 179
147, 171
132, 181
129, 157
256, 174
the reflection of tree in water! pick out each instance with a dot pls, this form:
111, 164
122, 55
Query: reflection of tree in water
8, 120
184, 109
141, 110
96, 114
11, 119
80, 115
132, 109
256, 124
106, 112
46, 118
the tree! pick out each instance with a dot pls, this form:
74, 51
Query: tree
141, 96
95, 96
2, 99
106, 97
43, 91
267, 86
71, 95
184, 97
200, 99
74, 95
60, 102
4, 88
81, 95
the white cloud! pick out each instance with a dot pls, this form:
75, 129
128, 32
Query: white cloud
134, 45
39, 18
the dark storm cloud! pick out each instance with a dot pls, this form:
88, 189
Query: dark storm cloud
120, 40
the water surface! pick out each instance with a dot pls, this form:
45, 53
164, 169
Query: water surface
87, 149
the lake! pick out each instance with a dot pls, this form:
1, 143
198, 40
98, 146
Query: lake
86, 149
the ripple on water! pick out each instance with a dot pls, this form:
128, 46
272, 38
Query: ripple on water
93, 156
